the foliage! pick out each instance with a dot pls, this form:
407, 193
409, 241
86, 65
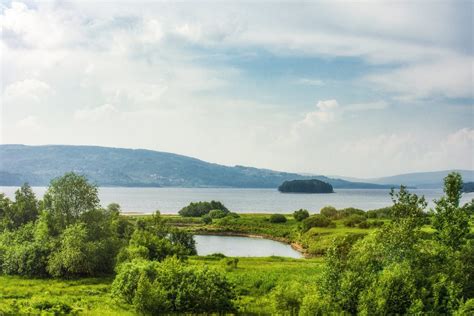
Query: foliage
328, 211
451, 221
300, 214
230, 263
206, 219
305, 186
68, 197
287, 298
317, 220
217, 214
198, 209
396, 270
172, 286
354, 220
277, 218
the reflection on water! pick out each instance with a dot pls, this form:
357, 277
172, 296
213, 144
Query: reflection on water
243, 247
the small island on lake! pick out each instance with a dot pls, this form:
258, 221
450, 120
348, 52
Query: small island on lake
305, 186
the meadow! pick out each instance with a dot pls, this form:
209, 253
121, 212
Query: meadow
253, 278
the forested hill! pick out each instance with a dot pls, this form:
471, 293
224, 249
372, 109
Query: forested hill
137, 168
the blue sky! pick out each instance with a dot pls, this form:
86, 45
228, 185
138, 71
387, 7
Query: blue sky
364, 89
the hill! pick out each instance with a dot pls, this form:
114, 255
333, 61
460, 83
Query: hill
424, 179
137, 168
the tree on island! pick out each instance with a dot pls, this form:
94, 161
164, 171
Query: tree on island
305, 186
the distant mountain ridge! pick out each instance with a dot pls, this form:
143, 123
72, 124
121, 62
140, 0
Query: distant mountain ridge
421, 180
107, 166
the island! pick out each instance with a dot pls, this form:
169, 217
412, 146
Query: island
305, 186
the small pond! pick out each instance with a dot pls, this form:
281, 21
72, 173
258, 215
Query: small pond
233, 246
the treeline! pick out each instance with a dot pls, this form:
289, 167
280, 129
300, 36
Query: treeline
68, 235
305, 186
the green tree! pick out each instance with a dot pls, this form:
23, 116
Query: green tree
300, 214
451, 221
68, 197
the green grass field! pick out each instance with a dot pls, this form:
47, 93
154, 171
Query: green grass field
254, 278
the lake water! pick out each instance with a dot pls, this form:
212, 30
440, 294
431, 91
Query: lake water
243, 247
171, 200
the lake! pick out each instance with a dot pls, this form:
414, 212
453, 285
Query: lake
243, 247
171, 200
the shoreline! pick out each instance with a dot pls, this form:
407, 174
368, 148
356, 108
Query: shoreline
294, 245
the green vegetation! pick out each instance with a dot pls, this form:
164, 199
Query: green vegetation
277, 218
66, 254
305, 186
300, 215
198, 209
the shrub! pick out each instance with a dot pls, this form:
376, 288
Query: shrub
354, 220
198, 209
300, 214
349, 211
287, 298
277, 218
172, 286
206, 219
217, 214
380, 213
317, 220
230, 263
232, 215
328, 211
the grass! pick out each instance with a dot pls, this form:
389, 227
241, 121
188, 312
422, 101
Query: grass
89, 296
254, 279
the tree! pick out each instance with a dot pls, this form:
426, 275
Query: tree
198, 209
451, 221
25, 207
300, 214
68, 197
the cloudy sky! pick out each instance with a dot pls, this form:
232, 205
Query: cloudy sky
360, 89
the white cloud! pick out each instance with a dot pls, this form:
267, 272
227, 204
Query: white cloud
325, 113
453, 78
28, 90
29, 122
100, 113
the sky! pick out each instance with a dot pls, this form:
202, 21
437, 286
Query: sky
361, 89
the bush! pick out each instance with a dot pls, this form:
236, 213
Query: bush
171, 286
349, 211
287, 298
206, 219
354, 220
277, 218
198, 209
380, 213
217, 214
230, 263
317, 220
300, 214
232, 215
328, 211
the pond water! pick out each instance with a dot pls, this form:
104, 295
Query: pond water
233, 246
